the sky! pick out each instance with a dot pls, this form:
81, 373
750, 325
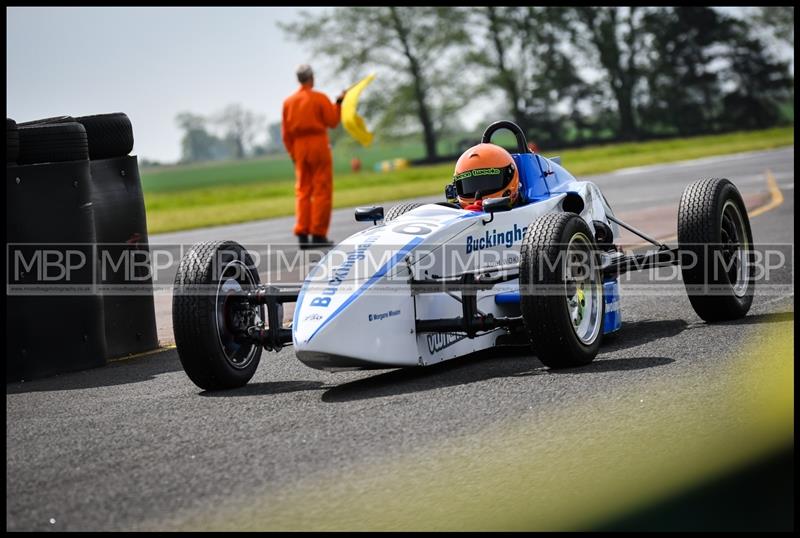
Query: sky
151, 63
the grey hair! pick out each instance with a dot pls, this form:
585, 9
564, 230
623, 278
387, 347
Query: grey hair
304, 73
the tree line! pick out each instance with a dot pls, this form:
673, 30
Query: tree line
565, 74
228, 134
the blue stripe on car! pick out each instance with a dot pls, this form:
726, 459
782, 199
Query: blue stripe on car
299, 302
394, 260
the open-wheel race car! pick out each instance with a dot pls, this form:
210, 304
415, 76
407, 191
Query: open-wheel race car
431, 282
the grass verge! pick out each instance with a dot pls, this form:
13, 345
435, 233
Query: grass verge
186, 197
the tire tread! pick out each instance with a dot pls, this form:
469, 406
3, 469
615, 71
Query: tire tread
195, 341
400, 209
541, 313
699, 210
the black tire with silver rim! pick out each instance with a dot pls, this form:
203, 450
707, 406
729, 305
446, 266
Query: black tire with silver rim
208, 316
561, 290
716, 245
400, 209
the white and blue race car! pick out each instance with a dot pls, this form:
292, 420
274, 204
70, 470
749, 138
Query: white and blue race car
431, 282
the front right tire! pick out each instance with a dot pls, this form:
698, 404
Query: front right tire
209, 278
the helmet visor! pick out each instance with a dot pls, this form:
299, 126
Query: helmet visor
483, 180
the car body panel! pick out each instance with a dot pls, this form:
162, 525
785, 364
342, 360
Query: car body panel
360, 291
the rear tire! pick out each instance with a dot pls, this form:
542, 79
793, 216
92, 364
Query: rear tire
712, 221
399, 209
207, 274
562, 311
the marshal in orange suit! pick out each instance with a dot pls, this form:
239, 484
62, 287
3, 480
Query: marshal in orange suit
307, 116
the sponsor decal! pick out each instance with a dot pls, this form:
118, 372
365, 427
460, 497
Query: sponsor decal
385, 268
477, 172
313, 317
341, 272
384, 315
494, 238
440, 341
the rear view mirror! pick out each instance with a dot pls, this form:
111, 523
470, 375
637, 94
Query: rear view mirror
450, 193
497, 205
367, 214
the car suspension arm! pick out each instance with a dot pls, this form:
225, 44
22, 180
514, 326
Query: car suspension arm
471, 322
638, 262
471, 326
661, 246
274, 336
476, 279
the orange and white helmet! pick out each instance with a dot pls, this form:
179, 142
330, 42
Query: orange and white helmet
485, 171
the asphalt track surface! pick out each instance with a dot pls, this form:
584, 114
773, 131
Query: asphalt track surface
135, 445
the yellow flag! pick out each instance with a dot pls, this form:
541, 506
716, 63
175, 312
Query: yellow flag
351, 121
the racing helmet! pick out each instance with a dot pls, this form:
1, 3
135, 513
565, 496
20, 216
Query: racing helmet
485, 171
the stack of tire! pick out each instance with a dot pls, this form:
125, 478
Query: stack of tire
72, 188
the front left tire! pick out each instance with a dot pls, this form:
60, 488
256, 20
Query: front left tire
561, 290
716, 242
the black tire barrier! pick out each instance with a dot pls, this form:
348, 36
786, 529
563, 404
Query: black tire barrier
53, 335
124, 256
12, 141
52, 119
54, 321
52, 142
110, 135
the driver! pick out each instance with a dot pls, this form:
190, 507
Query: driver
485, 171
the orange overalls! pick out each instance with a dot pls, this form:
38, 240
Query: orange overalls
307, 114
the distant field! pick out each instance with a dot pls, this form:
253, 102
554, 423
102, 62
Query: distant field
275, 167
192, 196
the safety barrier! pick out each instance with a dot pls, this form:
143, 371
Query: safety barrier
75, 218
53, 322
124, 256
